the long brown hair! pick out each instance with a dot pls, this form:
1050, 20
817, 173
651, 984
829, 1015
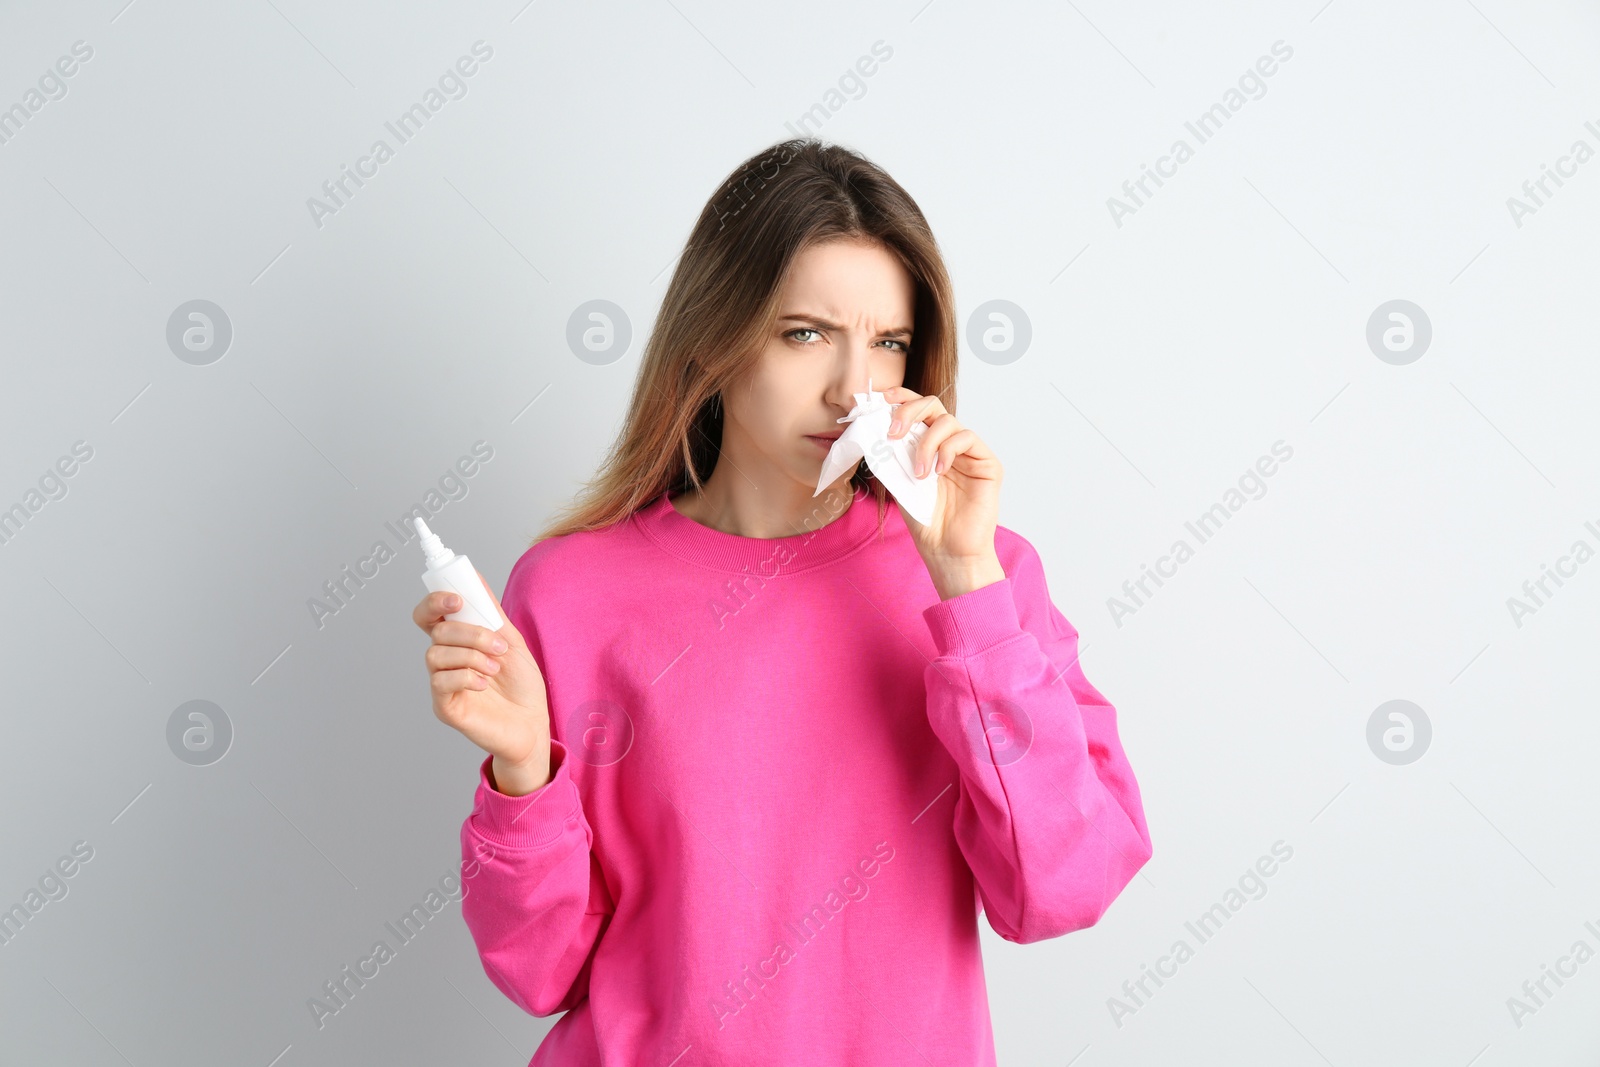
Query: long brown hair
722, 304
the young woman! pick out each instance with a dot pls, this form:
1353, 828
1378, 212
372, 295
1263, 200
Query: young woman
757, 757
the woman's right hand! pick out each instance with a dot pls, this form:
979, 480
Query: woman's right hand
486, 684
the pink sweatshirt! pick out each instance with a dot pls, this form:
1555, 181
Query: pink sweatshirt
786, 777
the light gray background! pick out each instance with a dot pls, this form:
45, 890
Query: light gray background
1167, 355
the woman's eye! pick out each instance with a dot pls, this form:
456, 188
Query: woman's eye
795, 336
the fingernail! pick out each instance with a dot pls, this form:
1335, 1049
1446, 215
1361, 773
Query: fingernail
894, 427
500, 644
919, 468
452, 602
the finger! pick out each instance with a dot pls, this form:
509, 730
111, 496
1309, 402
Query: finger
470, 635
919, 410
899, 394
445, 682
940, 430
433, 607
450, 657
956, 445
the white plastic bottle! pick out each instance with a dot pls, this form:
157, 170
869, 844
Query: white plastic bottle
448, 572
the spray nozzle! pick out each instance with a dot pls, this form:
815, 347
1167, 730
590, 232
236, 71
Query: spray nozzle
865, 404
433, 550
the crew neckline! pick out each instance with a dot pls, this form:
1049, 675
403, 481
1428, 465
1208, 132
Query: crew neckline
685, 538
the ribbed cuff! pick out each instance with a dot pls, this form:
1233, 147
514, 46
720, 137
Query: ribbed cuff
537, 820
967, 624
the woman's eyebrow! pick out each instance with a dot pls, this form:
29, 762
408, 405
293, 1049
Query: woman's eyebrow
817, 320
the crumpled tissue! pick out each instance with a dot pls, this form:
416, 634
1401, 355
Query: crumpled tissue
891, 462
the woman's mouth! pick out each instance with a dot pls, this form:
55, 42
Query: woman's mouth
825, 443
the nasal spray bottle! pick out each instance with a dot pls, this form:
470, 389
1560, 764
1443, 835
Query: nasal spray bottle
448, 572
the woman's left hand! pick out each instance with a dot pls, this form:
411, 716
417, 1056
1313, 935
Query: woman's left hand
958, 544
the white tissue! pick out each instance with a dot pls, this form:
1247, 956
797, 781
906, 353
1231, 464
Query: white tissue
891, 462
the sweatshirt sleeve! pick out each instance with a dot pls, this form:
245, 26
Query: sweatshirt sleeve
533, 898
1048, 813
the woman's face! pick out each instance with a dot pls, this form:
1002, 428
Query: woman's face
844, 314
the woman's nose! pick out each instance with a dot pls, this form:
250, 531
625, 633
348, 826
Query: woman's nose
854, 377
